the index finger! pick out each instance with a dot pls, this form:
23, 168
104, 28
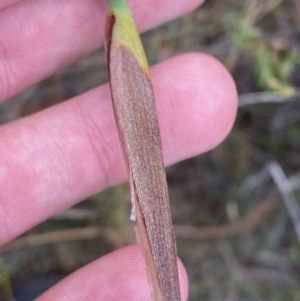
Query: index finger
38, 38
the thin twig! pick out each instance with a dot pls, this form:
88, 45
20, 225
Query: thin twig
76, 214
254, 181
285, 190
54, 237
246, 224
264, 97
262, 10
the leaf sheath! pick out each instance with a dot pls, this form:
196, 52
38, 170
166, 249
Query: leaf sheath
138, 128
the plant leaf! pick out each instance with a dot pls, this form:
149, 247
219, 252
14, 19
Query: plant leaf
137, 124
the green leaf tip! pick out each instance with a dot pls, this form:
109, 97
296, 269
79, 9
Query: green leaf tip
116, 4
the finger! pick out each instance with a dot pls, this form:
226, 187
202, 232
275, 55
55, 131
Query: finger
57, 157
5, 3
37, 38
120, 275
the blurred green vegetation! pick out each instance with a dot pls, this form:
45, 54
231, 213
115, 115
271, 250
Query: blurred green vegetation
259, 43
5, 284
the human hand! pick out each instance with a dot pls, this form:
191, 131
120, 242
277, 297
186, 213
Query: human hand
53, 159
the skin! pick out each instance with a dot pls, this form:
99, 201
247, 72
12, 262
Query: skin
44, 169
